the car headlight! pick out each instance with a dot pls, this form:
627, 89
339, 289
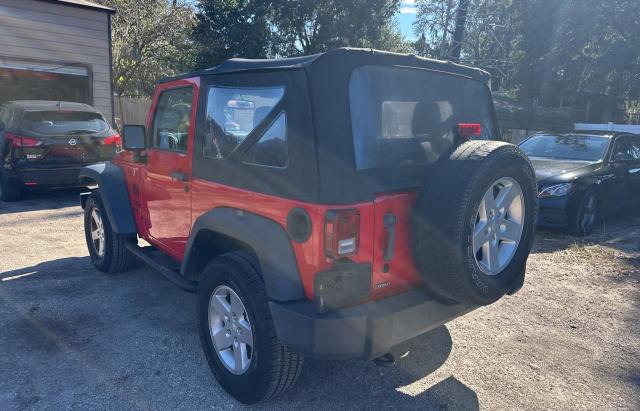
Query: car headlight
558, 190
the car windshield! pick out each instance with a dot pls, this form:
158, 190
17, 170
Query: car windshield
566, 147
405, 116
64, 122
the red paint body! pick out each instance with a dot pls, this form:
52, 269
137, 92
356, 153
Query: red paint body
165, 210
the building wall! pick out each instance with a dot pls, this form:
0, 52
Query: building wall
48, 32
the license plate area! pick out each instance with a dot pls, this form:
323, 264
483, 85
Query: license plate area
346, 284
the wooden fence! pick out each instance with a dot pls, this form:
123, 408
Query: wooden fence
131, 110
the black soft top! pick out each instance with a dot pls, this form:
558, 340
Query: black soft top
338, 59
321, 149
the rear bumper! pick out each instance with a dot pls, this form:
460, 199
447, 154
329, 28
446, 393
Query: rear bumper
366, 331
46, 177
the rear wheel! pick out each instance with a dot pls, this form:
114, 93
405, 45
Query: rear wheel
107, 249
9, 190
237, 331
584, 220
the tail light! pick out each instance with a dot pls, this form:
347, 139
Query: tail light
20, 141
469, 129
341, 228
114, 140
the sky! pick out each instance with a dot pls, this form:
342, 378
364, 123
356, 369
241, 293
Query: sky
405, 17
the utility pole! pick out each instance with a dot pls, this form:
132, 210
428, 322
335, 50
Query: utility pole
458, 34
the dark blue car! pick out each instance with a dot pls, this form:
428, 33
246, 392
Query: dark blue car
583, 176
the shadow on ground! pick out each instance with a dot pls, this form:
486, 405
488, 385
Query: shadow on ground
355, 384
76, 338
36, 200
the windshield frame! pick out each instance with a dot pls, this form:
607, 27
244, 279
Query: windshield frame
603, 156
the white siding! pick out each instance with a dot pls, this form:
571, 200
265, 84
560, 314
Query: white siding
38, 30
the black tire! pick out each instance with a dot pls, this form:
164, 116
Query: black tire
115, 256
445, 214
273, 367
10, 191
586, 216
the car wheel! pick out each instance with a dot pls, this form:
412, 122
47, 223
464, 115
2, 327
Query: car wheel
107, 249
237, 331
9, 190
473, 222
586, 217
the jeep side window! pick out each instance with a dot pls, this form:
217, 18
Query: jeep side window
271, 149
172, 120
233, 113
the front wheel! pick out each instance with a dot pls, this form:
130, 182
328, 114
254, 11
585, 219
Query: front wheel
107, 249
586, 216
237, 331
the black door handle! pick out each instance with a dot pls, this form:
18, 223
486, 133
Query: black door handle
389, 223
180, 176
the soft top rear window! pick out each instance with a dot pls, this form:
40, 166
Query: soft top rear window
64, 122
407, 116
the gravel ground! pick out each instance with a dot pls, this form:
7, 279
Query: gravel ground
74, 338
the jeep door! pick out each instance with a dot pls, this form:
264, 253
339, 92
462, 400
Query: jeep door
167, 180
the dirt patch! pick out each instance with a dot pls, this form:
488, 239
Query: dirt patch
74, 338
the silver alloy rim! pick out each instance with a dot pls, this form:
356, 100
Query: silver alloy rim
97, 232
589, 214
230, 330
497, 228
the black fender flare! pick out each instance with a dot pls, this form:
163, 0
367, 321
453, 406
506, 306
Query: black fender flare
113, 192
268, 240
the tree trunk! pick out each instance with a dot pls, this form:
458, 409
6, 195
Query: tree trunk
458, 34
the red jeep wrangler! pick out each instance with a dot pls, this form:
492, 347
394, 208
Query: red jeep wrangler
329, 206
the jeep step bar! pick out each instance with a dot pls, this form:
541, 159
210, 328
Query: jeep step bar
144, 254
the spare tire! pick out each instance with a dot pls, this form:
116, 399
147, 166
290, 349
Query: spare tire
473, 222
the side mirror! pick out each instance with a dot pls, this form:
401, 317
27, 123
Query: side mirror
133, 138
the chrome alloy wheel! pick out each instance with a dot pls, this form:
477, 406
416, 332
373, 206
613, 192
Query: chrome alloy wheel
97, 232
497, 229
230, 330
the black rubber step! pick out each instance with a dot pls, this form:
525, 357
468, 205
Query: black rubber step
147, 255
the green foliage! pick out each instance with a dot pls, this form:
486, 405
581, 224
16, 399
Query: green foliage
231, 28
253, 28
312, 26
391, 39
435, 21
553, 52
150, 40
